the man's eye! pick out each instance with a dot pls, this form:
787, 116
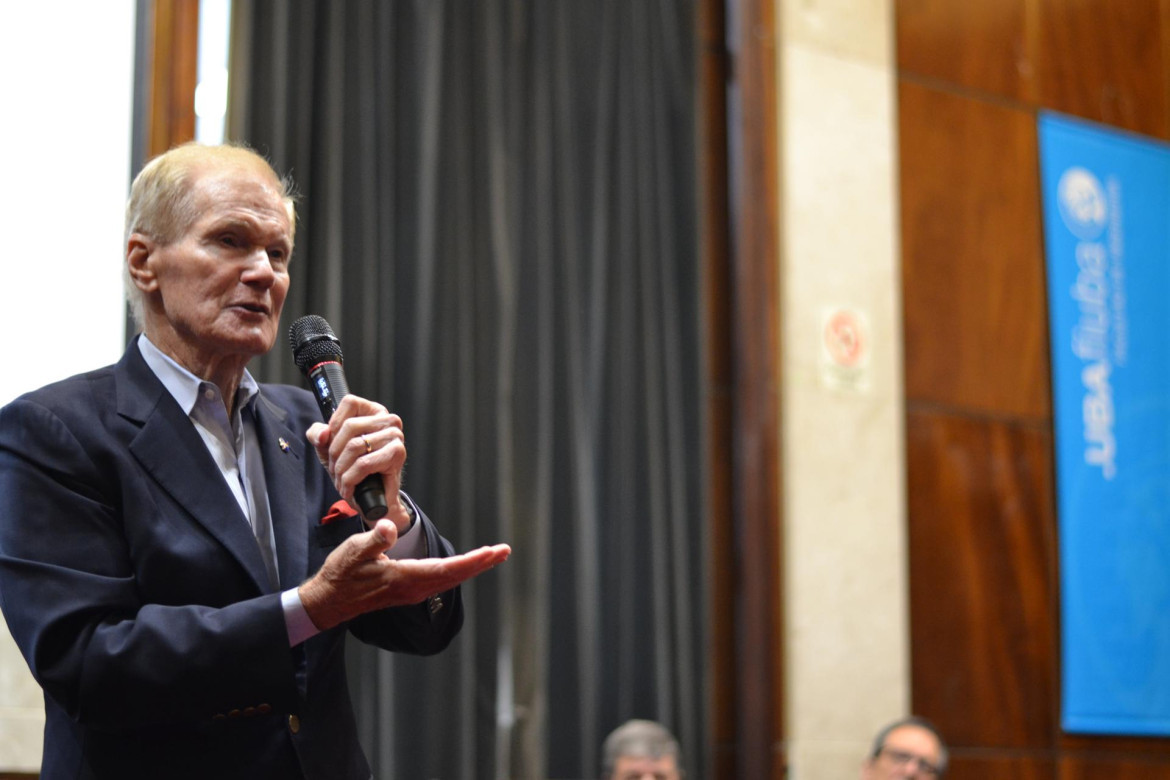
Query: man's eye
229, 240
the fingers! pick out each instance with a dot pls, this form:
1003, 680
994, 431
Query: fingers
379, 539
349, 578
319, 436
415, 580
357, 578
454, 569
361, 438
363, 412
358, 551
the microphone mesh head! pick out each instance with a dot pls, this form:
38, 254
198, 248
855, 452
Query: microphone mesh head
312, 342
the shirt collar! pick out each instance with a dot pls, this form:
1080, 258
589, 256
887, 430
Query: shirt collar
182, 384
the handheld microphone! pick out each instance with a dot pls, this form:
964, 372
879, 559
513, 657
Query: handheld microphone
317, 353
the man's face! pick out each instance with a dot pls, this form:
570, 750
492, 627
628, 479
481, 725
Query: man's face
216, 292
633, 768
909, 752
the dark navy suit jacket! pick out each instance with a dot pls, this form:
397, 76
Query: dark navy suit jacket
132, 583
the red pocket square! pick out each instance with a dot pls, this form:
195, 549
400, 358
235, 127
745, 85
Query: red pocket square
339, 511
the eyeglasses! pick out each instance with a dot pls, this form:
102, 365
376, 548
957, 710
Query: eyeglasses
902, 758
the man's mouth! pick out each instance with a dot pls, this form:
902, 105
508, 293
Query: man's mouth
254, 308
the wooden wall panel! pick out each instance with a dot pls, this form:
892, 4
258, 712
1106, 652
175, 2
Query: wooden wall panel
1104, 61
740, 248
979, 44
1089, 745
982, 579
968, 767
983, 552
1100, 60
972, 256
720, 423
174, 66
758, 484
1113, 768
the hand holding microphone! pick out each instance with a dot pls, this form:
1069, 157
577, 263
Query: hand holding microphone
358, 577
359, 430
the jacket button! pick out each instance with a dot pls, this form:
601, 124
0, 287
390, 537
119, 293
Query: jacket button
264, 709
294, 724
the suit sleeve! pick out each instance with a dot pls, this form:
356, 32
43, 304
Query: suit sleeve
70, 591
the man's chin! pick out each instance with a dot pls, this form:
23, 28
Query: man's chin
251, 344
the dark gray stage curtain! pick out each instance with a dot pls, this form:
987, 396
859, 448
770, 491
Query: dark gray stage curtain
498, 217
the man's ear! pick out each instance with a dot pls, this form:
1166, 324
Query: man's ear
139, 249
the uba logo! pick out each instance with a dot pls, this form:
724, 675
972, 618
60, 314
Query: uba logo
1082, 203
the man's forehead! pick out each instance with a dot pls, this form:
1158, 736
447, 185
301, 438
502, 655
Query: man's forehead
213, 175
913, 736
629, 763
234, 193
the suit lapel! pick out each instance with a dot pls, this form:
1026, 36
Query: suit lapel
169, 448
283, 451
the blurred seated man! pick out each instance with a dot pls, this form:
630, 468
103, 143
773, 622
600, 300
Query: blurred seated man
641, 750
906, 748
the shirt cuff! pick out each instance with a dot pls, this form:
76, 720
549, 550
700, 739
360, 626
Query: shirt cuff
413, 543
296, 620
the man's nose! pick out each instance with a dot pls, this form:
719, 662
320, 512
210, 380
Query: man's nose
259, 269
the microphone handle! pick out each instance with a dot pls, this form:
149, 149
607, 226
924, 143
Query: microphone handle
329, 387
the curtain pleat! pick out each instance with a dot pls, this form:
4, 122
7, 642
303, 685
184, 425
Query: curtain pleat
497, 215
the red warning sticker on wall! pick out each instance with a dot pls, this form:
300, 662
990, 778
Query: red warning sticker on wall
845, 349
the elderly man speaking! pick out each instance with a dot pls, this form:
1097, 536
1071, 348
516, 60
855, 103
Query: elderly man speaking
180, 556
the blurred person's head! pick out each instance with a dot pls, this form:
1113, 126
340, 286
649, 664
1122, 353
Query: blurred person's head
641, 750
907, 748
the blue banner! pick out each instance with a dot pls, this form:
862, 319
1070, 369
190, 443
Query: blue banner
1106, 198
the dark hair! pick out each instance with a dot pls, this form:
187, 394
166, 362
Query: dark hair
879, 742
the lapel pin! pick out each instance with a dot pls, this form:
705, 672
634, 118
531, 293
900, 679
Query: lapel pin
283, 444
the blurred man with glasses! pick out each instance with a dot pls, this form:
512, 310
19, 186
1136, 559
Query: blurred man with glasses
906, 748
